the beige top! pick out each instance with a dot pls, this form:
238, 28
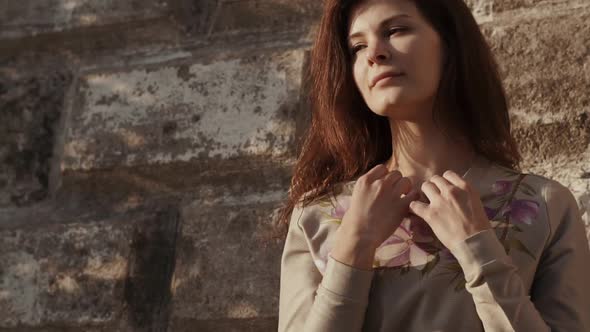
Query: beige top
529, 273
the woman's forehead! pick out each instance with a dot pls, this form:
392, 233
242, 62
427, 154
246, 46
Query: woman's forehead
369, 13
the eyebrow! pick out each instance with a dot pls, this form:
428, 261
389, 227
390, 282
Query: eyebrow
384, 22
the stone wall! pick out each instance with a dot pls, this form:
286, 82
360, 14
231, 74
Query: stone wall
145, 146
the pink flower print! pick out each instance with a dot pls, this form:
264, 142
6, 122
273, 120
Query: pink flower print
501, 187
400, 249
342, 205
522, 211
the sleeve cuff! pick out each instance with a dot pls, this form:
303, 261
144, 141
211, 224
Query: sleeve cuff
476, 251
347, 281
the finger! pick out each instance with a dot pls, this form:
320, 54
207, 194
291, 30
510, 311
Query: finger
375, 173
412, 195
420, 209
441, 183
430, 190
392, 177
402, 186
456, 180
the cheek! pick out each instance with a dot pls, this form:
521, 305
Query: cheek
427, 61
360, 78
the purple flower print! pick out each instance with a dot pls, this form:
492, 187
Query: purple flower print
447, 255
401, 249
501, 187
491, 213
522, 211
423, 235
342, 205
421, 229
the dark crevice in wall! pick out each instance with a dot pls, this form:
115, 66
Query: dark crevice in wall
151, 266
31, 106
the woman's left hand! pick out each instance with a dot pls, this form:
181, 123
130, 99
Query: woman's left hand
455, 211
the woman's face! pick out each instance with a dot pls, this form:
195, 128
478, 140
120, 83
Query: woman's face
389, 39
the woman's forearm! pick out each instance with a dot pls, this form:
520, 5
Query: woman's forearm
353, 250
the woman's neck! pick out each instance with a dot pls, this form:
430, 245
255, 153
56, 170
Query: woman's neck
422, 151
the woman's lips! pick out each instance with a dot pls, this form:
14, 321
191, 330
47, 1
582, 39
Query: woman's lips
386, 77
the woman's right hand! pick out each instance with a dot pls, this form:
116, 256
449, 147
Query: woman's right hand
376, 211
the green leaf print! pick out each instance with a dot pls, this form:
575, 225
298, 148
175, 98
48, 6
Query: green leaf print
430, 265
528, 189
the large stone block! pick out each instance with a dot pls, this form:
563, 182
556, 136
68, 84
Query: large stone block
227, 271
235, 107
72, 274
545, 64
30, 17
89, 273
540, 142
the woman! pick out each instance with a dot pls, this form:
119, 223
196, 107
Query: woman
407, 211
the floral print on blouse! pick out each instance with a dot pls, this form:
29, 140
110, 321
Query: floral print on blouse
415, 245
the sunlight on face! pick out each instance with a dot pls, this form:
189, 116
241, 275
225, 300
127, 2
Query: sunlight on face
387, 38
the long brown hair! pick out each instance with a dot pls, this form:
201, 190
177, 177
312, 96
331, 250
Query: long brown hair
345, 139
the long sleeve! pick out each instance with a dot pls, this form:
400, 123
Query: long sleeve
560, 289
560, 295
342, 293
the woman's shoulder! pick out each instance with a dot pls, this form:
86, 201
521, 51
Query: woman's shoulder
558, 199
319, 220
329, 207
533, 184
529, 200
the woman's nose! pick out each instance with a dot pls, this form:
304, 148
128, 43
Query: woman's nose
378, 52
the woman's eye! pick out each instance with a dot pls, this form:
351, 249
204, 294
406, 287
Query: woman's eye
395, 30
356, 48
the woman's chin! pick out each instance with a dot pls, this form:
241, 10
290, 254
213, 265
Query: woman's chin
381, 112
389, 108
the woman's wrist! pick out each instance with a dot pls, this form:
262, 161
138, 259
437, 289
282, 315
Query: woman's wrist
354, 250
